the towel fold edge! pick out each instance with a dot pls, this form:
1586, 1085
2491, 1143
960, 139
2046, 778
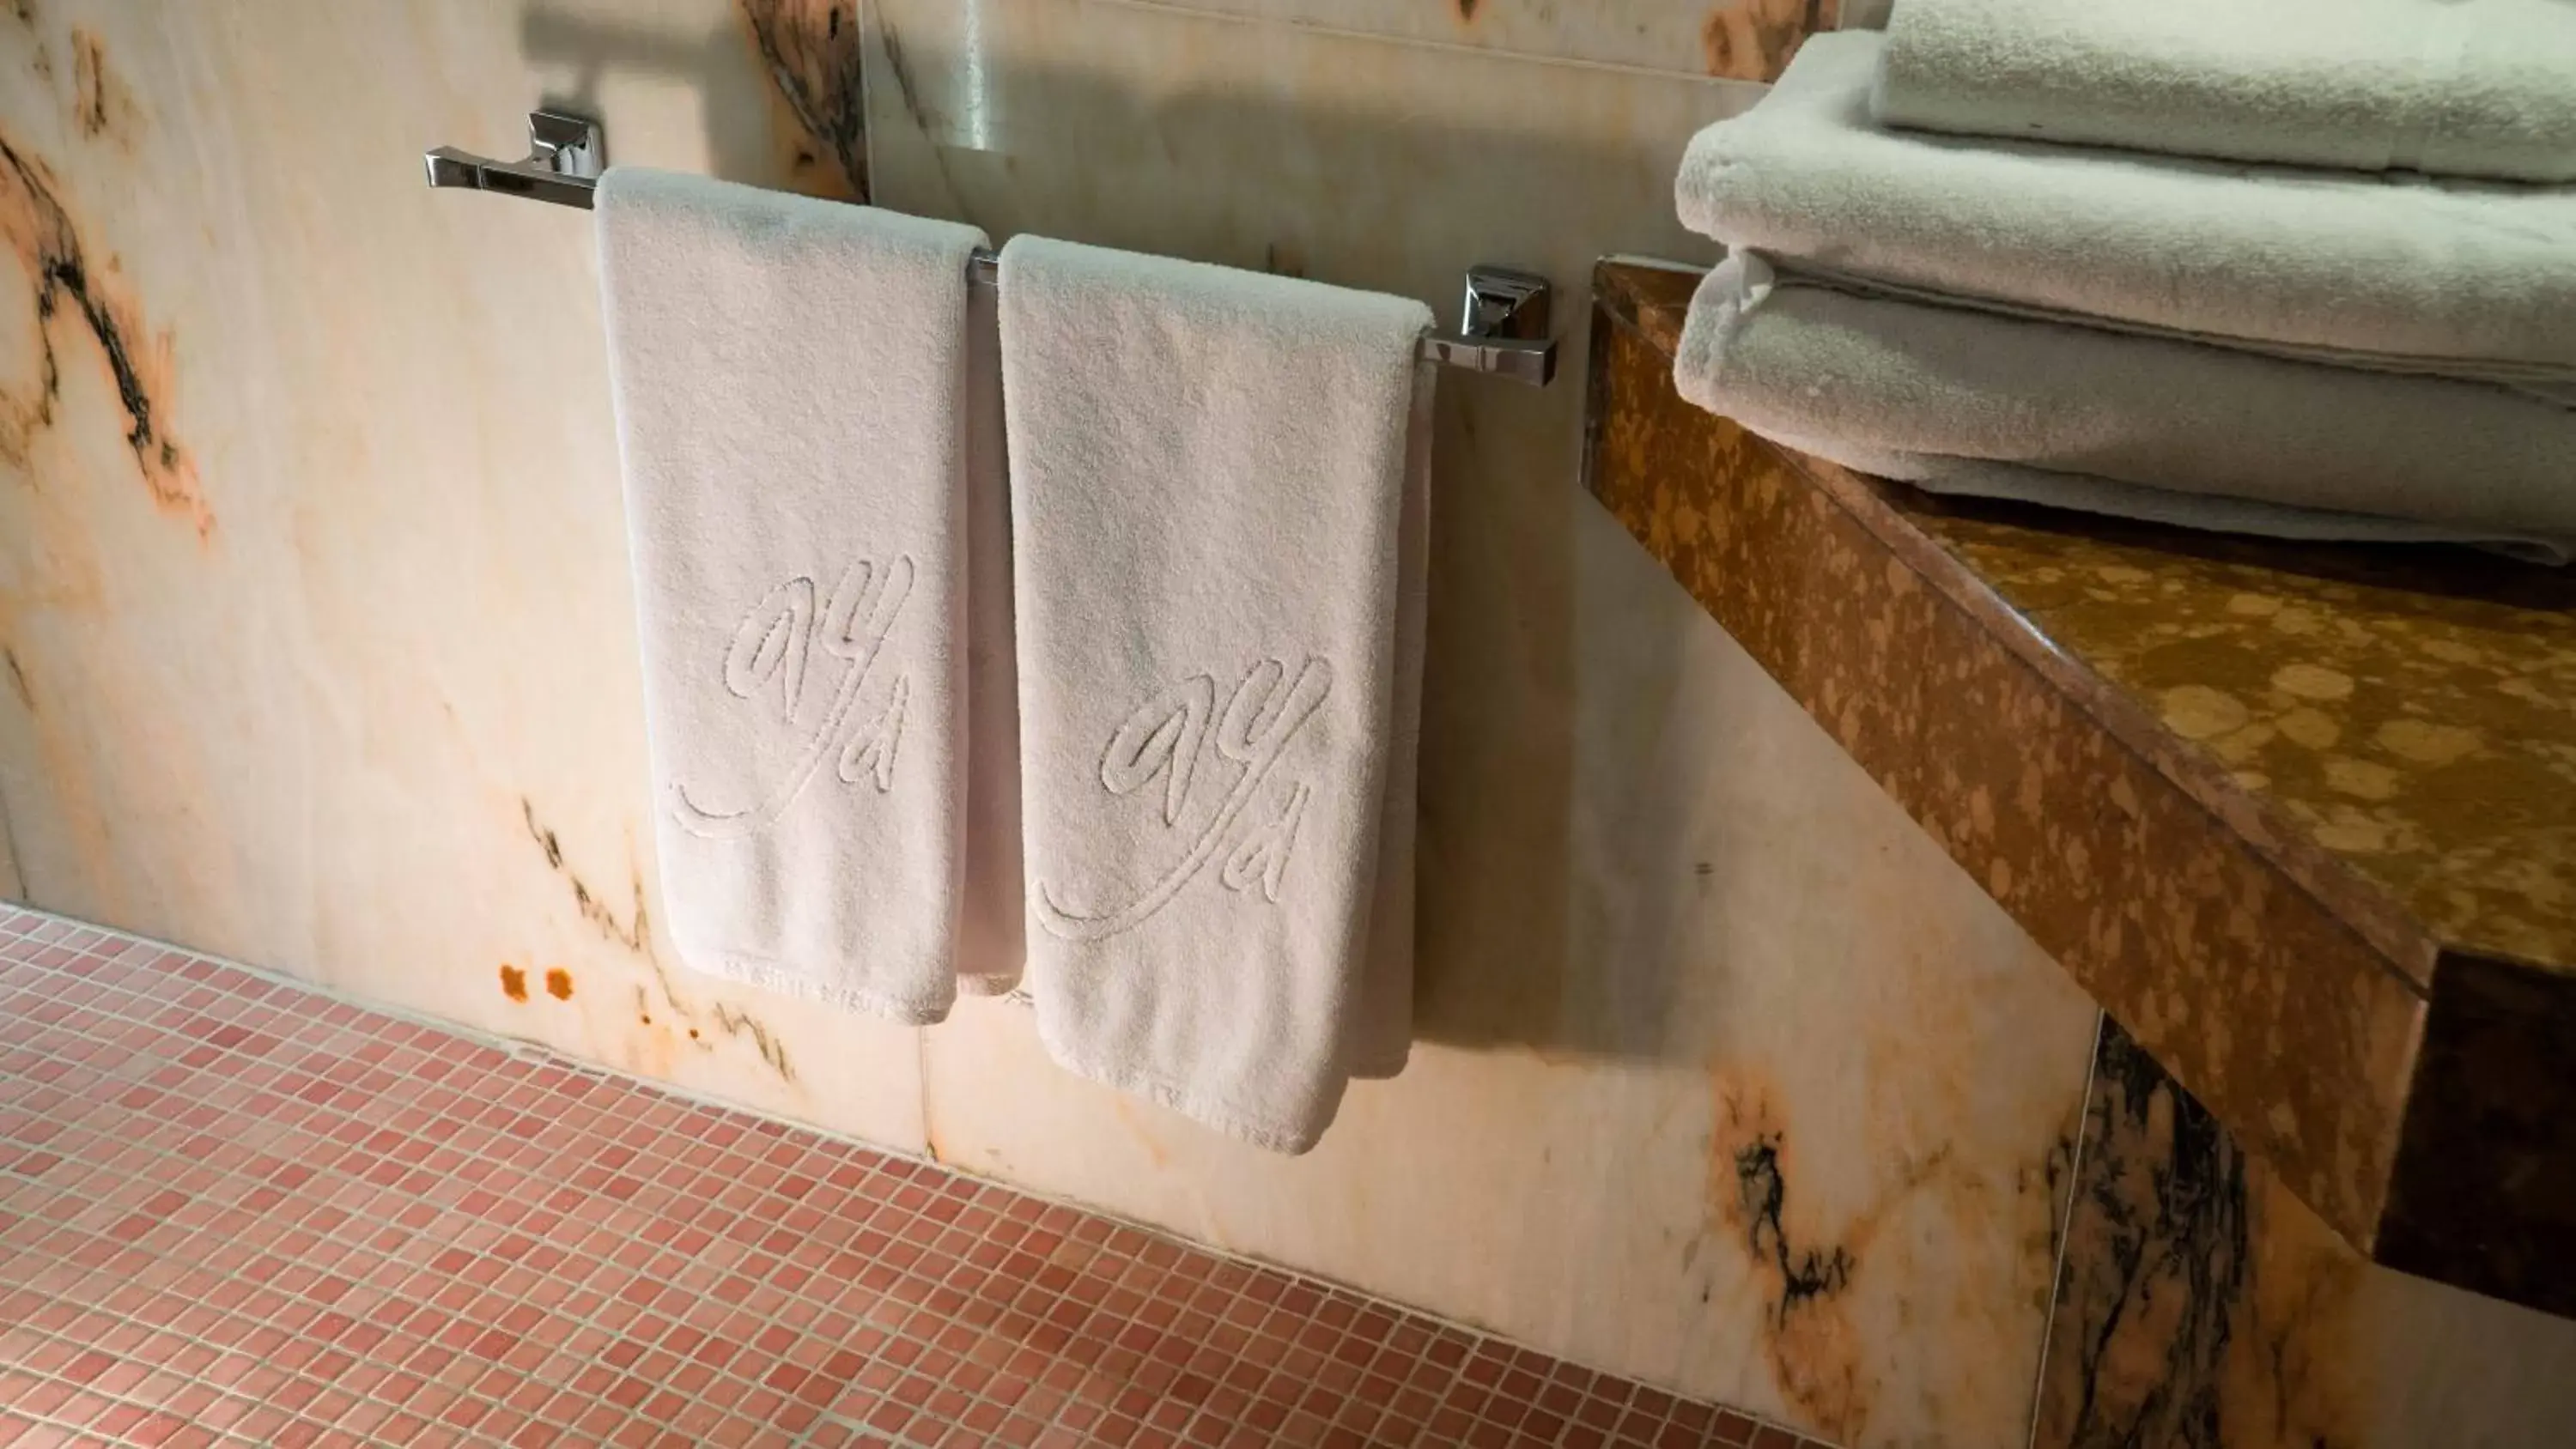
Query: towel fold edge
1741, 284
1206, 1111
769, 976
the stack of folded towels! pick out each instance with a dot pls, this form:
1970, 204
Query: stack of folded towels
2304, 268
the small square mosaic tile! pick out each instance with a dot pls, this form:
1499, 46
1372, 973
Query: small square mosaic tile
235, 1211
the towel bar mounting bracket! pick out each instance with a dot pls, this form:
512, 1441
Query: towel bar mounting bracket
566, 153
1504, 329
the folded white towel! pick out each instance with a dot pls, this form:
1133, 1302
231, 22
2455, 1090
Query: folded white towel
1966, 401
1216, 523
2204, 512
2458, 278
790, 379
2453, 87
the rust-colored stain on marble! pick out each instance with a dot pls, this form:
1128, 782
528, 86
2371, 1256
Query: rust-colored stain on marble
1467, 9
1755, 39
514, 982
1135, 1125
813, 53
102, 105
65, 277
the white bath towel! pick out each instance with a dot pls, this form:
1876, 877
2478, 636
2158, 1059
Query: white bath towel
1217, 539
2452, 87
2394, 271
791, 380
1966, 401
2204, 512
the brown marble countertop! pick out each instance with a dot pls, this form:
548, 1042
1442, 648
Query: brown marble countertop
2302, 817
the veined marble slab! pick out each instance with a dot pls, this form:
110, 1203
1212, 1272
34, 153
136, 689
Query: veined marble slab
313, 577
1725, 1077
313, 586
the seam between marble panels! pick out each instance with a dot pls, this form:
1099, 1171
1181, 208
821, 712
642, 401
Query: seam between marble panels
2065, 1229
1753, 89
921, 1095
15, 877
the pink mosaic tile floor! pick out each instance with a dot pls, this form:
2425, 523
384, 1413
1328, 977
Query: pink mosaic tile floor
234, 1211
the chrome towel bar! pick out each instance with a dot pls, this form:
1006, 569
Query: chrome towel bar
1503, 333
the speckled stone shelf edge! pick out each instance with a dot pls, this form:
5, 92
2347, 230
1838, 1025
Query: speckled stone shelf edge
2414, 1097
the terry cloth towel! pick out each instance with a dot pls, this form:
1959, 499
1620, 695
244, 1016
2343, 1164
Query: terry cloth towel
2396, 272
2452, 87
1217, 504
790, 379
1966, 401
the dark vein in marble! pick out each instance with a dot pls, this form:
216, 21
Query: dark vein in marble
1761, 1191
101, 105
18, 680
2056, 1166
89, 111
816, 59
636, 935
40, 61
39, 228
906, 89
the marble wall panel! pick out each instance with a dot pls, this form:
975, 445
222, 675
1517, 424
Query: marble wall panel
1728, 1076
312, 574
314, 599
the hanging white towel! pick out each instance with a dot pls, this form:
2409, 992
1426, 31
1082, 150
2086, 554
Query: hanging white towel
1963, 401
1217, 507
2449, 87
790, 379
2386, 271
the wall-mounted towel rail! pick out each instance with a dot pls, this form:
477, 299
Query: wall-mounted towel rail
1504, 331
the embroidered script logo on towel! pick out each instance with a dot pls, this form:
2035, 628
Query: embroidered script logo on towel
1163, 738
772, 651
